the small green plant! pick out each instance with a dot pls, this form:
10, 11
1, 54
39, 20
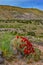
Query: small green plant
5, 45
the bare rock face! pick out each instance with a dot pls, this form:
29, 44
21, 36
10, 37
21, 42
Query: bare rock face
1, 58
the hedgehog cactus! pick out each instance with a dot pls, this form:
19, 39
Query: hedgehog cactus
23, 45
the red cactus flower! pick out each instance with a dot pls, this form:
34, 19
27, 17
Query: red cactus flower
17, 37
29, 51
25, 51
22, 45
29, 47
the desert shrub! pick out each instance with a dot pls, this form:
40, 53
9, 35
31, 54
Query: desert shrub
31, 33
37, 22
24, 30
34, 28
21, 34
37, 54
41, 36
1, 26
14, 33
30, 21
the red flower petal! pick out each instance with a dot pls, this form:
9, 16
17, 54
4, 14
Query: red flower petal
25, 51
29, 51
17, 37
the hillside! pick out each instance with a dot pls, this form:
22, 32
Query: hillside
16, 26
11, 12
